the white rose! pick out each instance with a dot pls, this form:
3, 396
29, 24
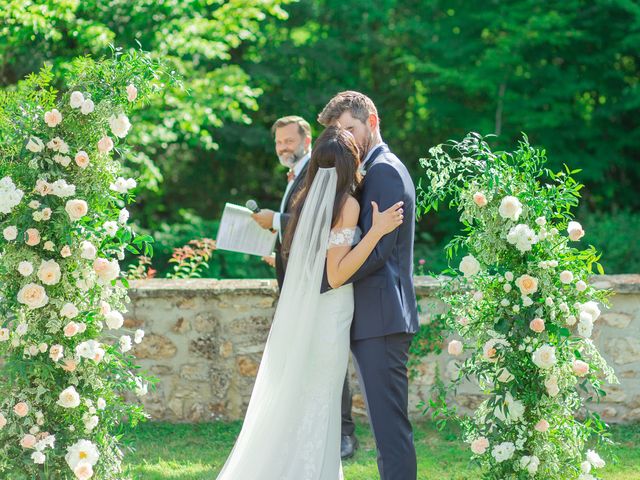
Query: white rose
581, 285
139, 335
111, 228
545, 357
541, 221
69, 398
76, 209
69, 310
509, 276
123, 216
35, 145
87, 107
575, 231
566, 277
530, 464
119, 125
58, 145
594, 459
585, 327
551, 385
49, 245
80, 452
77, 99
510, 208
469, 266
5, 333
114, 320
10, 233
63, 160
526, 301
505, 376
38, 457
590, 308
87, 250
65, 251
102, 404
52, 118
49, 272
33, 296
25, 268
503, 451
125, 343
132, 92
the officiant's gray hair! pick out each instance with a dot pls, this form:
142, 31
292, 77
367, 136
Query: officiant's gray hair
303, 126
358, 104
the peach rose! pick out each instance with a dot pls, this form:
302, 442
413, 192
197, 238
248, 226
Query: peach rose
132, 92
83, 471
3, 421
537, 325
82, 159
70, 329
479, 445
65, 251
69, 365
21, 409
542, 426
52, 118
105, 145
580, 368
33, 296
575, 231
479, 199
33, 237
527, 284
28, 441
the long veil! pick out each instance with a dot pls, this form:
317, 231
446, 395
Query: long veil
275, 403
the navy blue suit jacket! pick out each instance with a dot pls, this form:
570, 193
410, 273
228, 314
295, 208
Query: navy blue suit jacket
385, 300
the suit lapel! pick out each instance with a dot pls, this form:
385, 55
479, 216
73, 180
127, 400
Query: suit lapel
295, 186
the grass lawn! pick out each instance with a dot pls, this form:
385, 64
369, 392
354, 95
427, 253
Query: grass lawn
197, 452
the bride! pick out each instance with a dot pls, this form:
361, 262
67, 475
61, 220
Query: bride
292, 427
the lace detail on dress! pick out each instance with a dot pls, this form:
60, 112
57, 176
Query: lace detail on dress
344, 237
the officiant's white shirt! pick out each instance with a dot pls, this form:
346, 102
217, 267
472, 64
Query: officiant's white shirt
297, 168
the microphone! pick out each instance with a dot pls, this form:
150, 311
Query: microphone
252, 205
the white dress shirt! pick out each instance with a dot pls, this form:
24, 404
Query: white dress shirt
297, 168
369, 153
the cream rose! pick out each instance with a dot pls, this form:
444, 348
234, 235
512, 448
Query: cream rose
454, 348
575, 231
87, 250
56, 352
25, 268
76, 209
49, 272
545, 357
10, 233
114, 320
106, 270
551, 384
469, 266
87, 107
566, 277
35, 145
65, 251
69, 310
33, 296
69, 398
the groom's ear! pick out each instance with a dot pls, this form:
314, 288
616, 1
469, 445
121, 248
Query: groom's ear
373, 122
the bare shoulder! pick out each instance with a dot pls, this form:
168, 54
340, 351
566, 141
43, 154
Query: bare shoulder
350, 212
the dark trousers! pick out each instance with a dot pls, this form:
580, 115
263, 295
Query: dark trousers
348, 427
381, 364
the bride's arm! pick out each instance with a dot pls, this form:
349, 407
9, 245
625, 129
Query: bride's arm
343, 261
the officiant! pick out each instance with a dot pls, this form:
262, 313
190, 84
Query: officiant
292, 136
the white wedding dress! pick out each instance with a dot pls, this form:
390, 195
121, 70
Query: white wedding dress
292, 427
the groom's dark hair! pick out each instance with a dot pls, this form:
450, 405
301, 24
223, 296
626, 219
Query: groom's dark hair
357, 104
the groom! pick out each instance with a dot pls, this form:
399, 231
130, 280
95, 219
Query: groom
386, 316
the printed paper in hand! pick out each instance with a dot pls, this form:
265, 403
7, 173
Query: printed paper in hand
238, 232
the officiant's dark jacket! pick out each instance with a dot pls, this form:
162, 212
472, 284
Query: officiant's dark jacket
385, 300
285, 216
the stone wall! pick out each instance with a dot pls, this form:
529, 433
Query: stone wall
205, 339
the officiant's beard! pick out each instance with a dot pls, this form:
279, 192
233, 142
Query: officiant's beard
289, 160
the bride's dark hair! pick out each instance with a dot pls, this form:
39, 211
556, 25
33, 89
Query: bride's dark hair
335, 147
